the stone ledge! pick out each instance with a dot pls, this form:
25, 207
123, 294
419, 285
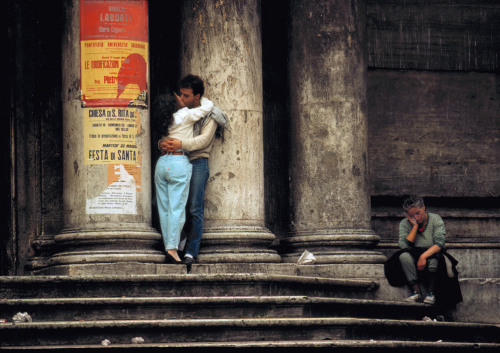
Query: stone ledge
185, 278
275, 300
350, 344
450, 245
158, 308
358, 271
245, 322
266, 329
340, 270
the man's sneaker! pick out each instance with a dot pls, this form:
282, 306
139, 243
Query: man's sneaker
415, 297
430, 299
189, 259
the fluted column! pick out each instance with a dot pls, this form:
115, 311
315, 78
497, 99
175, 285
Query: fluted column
329, 171
107, 205
221, 43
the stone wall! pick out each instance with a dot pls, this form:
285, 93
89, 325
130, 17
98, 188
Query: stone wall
434, 116
33, 206
436, 134
443, 35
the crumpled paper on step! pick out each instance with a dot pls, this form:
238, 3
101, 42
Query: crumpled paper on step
22, 317
306, 258
106, 342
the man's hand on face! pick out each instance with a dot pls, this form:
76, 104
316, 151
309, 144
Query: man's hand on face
413, 221
180, 103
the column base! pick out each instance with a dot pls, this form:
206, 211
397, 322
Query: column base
245, 244
334, 246
80, 246
41, 252
111, 269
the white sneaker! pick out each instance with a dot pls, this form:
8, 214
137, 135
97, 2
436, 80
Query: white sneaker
430, 299
415, 297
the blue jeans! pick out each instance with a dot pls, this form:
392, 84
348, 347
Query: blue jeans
172, 176
196, 205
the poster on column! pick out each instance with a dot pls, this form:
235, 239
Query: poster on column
120, 197
110, 135
114, 53
110, 139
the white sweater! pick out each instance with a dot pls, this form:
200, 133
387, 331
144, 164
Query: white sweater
184, 119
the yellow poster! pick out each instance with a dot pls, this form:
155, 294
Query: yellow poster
110, 135
114, 53
114, 72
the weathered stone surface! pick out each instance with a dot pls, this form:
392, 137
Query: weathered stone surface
102, 237
348, 344
183, 285
351, 271
31, 184
161, 308
328, 116
434, 134
433, 35
481, 303
113, 268
328, 152
223, 330
221, 42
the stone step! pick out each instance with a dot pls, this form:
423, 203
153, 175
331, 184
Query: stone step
157, 308
182, 285
242, 330
304, 345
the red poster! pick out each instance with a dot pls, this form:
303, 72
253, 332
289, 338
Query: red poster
114, 53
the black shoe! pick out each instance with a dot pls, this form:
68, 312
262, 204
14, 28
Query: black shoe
188, 260
171, 260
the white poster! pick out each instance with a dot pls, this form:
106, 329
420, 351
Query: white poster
118, 198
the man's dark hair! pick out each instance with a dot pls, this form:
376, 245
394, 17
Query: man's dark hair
412, 201
195, 83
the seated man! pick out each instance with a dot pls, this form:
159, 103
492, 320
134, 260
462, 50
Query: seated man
423, 234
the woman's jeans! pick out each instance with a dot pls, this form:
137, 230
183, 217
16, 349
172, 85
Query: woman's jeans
196, 205
172, 176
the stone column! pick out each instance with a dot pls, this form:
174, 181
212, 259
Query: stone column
329, 171
93, 243
221, 43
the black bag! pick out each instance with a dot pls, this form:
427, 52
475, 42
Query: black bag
394, 271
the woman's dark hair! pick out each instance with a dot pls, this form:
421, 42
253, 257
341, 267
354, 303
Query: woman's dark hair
193, 82
413, 201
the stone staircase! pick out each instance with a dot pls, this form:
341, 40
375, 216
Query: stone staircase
208, 311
